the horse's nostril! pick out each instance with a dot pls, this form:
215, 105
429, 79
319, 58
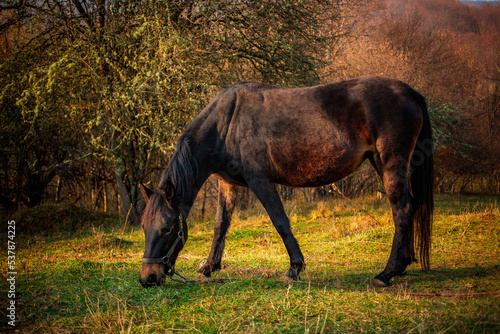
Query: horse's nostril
151, 279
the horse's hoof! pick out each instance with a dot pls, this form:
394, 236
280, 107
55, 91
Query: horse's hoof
292, 275
376, 283
289, 279
205, 272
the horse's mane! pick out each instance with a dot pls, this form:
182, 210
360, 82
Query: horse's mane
181, 170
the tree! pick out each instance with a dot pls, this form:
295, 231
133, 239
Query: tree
37, 138
453, 62
132, 74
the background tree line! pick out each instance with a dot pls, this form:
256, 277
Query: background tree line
93, 94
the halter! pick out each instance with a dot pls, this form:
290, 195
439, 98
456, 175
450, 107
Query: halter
166, 259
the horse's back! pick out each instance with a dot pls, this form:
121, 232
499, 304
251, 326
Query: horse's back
371, 100
313, 135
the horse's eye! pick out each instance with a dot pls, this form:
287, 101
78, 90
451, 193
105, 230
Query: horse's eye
167, 230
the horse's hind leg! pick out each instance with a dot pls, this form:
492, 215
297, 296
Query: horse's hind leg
225, 207
402, 252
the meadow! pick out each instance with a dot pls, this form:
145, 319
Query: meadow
77, 272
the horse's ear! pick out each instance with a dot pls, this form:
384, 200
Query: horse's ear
146, 192
170, 191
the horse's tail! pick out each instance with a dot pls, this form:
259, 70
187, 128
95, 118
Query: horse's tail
422, 184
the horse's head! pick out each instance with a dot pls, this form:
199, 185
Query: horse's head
166, 233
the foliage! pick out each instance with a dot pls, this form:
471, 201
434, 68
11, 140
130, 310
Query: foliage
129, 76
450, 128
38, 137
448, 51
94, 94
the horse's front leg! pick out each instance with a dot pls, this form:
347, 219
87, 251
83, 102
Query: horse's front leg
268, 195
225, 207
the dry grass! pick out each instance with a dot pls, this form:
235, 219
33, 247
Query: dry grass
85, 281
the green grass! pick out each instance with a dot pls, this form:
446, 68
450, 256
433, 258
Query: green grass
78, 273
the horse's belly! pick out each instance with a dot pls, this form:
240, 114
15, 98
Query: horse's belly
312, 166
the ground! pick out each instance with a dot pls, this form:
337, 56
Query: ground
77, 271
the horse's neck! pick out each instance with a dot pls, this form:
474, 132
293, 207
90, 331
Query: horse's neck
193, 158
188, 174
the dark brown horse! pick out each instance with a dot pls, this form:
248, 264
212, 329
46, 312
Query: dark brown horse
256, 135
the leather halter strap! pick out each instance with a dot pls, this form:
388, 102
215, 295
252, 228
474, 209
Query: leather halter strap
166, 259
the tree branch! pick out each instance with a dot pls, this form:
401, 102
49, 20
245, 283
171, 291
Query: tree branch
83, 13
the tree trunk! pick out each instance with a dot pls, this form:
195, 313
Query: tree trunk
131, 207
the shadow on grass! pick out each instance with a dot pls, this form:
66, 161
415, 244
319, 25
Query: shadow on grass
449, 279
446, 274
59, 221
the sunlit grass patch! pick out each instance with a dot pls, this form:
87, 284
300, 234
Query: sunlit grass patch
86, 280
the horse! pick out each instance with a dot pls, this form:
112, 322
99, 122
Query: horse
257, 135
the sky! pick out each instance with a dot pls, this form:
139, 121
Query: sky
479, 0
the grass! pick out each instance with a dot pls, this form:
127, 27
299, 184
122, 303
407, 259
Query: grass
78, 271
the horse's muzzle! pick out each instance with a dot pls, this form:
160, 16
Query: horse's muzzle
152, 275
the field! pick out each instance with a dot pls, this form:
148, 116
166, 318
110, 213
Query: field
77, 272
